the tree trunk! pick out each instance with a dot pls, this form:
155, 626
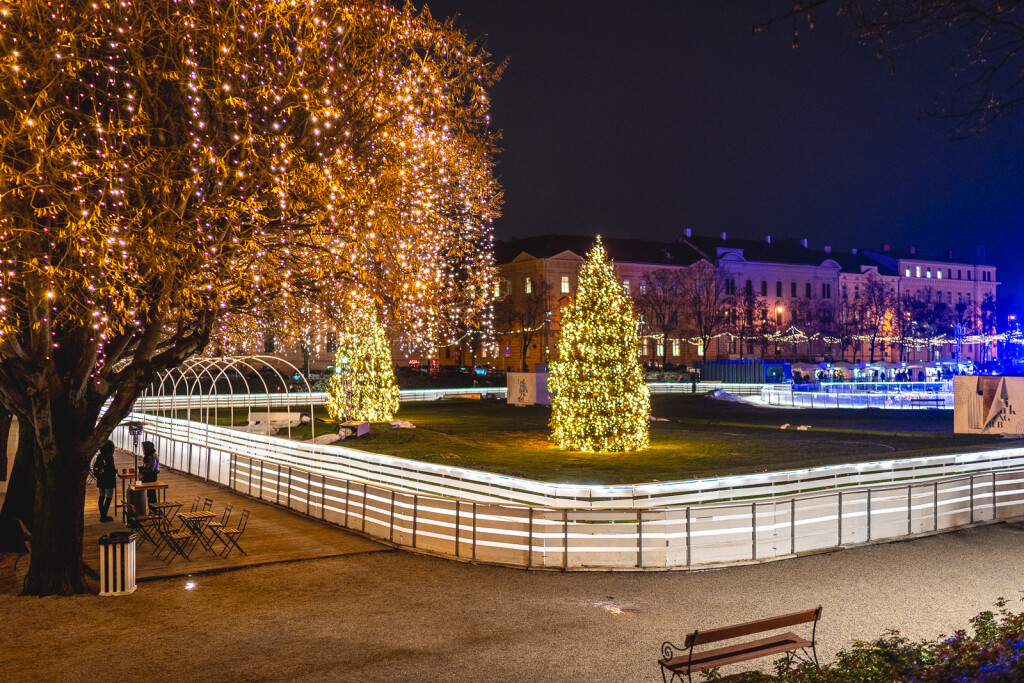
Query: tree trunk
19, 502
5, 431
56, 567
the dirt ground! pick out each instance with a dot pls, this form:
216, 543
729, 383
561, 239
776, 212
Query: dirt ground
392, 615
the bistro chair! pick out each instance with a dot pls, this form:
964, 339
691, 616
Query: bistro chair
207, 504
145, 525
216, 526
195, 503
232, 534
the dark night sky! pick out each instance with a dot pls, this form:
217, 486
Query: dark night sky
641, 119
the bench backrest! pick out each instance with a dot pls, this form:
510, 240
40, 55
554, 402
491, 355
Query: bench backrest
739, 630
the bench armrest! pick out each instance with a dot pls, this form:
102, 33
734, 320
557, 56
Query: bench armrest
669, 651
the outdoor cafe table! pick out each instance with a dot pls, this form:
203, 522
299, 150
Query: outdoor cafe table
196, 523
125, 477
166, 509
152, 486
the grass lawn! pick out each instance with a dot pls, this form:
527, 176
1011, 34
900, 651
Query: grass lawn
702, 438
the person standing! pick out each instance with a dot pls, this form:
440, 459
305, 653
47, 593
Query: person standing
150, 468
106, 478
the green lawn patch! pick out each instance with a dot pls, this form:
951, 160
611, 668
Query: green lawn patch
702, 438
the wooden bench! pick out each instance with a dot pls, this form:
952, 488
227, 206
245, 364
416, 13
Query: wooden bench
677, 662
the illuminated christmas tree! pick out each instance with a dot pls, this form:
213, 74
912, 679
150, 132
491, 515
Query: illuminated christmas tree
365, 389
601, 402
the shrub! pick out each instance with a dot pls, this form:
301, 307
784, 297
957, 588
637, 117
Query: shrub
989, 651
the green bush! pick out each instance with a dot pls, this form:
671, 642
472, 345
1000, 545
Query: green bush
989, 651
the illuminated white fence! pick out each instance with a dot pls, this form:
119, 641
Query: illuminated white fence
198, 400
784, 396
476, 519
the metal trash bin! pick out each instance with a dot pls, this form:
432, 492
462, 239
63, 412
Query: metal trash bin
139, 501
117, 563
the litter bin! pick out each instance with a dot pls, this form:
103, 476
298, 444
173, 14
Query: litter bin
139, 501
117, 563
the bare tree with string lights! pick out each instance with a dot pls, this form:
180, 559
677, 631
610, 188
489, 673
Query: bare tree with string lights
179, 171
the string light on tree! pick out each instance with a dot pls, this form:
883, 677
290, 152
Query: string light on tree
365, 389
601, 402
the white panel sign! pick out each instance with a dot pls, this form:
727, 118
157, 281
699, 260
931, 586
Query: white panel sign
988, 405
528, 388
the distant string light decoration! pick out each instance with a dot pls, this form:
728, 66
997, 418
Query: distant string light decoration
363, 387
601, 402
248, 163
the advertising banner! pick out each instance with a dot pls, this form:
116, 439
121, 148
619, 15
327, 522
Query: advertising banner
988, 405
527, 388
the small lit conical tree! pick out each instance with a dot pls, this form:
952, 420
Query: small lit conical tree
365, 390
601, 402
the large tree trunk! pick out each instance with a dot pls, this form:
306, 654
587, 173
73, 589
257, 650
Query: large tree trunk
19, 502
56, 567
5, 431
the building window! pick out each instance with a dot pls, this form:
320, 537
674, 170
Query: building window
643, 288
529, 286
268, 343
807, 290
565, 284
938, 273
730, 286
927, 272
778, 289
764, 288
497, 289
949, 273
826, 290
959, 274
661, 348
625, 285
968, 275
643, 346
792, 289
750, 287
856, 291
675, 347
906, 272
917, 271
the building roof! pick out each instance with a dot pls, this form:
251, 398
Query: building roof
856, 263
786, 250
620, 250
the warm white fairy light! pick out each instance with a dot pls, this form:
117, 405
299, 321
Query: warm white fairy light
601, 402
190, 161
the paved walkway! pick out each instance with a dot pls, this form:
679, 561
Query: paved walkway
397, 616
274, 534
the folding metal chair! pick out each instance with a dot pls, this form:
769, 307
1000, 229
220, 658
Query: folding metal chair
177, 542
232, 534
207, 504
144, 525
216, 526
195, 503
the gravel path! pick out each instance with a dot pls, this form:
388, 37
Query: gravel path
397, 616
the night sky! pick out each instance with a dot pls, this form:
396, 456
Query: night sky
642, 118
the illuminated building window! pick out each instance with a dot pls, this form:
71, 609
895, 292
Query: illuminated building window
675, 347
565, 284
938, 273
917, 270
661, 348
906, 272
529, 286
625, 285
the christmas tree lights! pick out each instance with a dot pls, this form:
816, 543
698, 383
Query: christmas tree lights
365, 389
601, 402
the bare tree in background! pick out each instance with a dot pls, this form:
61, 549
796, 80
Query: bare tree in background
522, 316
704, 303
986, 39
659, 302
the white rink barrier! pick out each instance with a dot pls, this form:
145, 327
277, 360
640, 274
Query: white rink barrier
209, 451
608, 533
157, 404
903, 400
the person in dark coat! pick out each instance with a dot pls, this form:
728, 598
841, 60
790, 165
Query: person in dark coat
150, 468
106, 478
